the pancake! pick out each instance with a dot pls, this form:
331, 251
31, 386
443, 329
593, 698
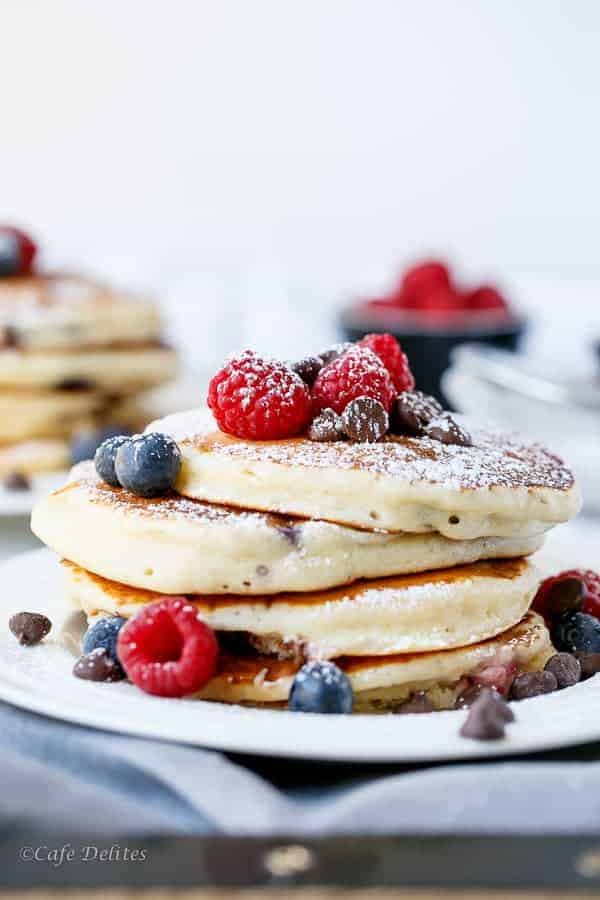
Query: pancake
409, 613
179, 546
384, 683
497, 487
32, 414
35, 456
66, 311
120, 370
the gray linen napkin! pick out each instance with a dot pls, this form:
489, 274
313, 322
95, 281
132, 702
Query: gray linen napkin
66, 777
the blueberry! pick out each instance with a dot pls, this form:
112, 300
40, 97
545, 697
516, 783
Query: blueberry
103, 634
85, 443
10, 254
321, 687
576, 632
148, 464
104, 459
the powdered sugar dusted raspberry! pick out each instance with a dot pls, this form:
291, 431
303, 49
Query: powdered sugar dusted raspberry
259, 399
357, 373
387, 348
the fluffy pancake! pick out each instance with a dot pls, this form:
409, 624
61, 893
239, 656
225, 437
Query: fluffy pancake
383, 683
497, 487
32, 414
179, 546
51, 311
120, 369
35, 456
409, 613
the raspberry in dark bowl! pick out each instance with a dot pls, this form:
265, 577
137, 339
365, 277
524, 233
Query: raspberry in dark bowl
430, 315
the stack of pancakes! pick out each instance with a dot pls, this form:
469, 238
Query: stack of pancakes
405, 561
71, 352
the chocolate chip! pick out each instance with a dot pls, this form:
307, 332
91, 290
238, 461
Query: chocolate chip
308, 368
334, 352
326, 427
447, 430
565, 596
29, 628
487, 717
533, 684
589, 662
98, 666
365, 420
17, 481
291, 533
413, 410
10, 337
565, 668
417, 703
75, 384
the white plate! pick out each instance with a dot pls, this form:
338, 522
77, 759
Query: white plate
39, 679
21, 503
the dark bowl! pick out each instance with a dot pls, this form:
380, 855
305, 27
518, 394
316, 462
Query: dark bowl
429, 344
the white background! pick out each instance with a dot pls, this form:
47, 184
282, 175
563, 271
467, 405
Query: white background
259, 161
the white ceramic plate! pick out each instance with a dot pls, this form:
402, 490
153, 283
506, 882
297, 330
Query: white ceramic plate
39, 679
20, 503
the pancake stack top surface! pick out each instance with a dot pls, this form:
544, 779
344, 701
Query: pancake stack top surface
72, 350
321, 512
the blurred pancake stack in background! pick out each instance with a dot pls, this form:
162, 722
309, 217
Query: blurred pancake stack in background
76, 356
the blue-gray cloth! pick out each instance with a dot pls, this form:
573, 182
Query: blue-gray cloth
71, 778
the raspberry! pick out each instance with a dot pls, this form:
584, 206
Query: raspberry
559, 594
497, 675
421, 280
389, 351
358, 373
484, 298
167, 650
258, 399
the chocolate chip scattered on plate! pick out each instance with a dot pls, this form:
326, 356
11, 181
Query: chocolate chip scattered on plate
98, 666
29, 628
487, 717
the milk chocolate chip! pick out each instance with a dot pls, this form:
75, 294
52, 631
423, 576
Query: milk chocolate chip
326, 427
365, 420
413, 410
29, 628
447, 430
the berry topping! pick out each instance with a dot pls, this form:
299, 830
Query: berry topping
389, 351
447, 430
308, 369
533, 684
98, 666
487, 717
17, 481
327, 356
416, 703
413, 410
85, 443
148, 464
357, 373
497, 675
29, 628
104, 459
573, 590
566, 669
258, 399
167, 650
576, 631
17, 251
365, 420
326, 427
102, 635
321, 687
